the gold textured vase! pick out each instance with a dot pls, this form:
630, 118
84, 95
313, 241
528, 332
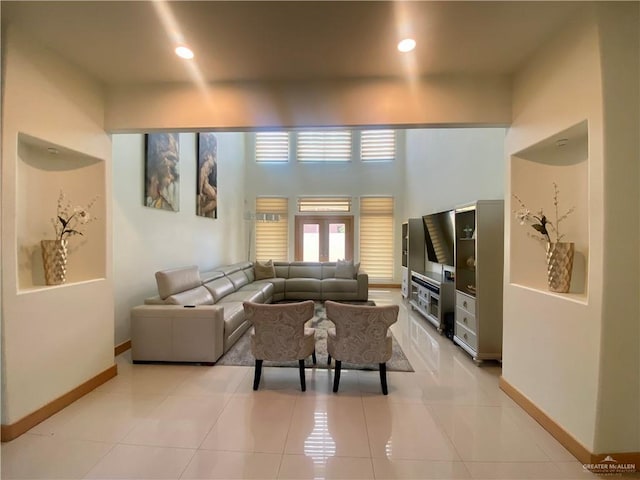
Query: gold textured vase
559, 266
54, 260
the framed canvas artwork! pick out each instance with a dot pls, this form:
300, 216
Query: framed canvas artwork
162, 171
207, 187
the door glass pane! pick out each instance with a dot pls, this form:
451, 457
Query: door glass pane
337, 239
311, 242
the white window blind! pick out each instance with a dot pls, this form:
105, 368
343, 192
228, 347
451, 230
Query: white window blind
378, 145
376, 237
324, 146
272, 147
324, 204
272, 237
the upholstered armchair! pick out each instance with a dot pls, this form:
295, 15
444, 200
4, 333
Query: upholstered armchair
279, 334
361, 336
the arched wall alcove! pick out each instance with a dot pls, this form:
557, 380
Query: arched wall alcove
561, 159
44, 171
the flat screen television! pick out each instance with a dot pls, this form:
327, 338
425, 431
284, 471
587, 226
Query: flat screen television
439, 233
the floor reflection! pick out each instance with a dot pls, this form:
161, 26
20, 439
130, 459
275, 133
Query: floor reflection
424, 343
320, 445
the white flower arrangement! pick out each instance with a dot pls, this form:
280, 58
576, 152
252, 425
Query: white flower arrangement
539, 222
71, 220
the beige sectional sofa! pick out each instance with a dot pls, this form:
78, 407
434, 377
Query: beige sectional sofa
197, 316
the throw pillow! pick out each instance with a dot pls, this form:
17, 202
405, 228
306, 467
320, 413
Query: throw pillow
264, 270
345, 269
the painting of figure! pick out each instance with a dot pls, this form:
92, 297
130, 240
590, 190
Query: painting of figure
207, 188
162, 171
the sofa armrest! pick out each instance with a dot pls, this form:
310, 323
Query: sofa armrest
175, 333
363, 285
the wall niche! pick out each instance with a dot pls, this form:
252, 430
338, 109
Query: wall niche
44, 170
563, 159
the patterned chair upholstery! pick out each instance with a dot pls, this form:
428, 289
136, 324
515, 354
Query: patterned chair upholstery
279, 334
361, 336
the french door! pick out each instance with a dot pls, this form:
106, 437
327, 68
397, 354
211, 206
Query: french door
323, 238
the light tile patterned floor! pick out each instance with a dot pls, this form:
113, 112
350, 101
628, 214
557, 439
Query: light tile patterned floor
446, 420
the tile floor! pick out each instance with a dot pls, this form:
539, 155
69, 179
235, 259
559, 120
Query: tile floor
446, 420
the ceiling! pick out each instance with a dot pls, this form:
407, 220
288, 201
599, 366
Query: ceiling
133, 41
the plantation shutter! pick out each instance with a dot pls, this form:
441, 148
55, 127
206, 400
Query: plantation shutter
324, 204
324, 146
272, 237
272, 147
376, 237
378, 145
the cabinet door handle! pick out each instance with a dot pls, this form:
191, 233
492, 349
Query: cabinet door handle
464, 304
464, 319
465, 336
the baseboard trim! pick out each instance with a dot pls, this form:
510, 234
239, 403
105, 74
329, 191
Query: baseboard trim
587, 458
14, 430
123, 347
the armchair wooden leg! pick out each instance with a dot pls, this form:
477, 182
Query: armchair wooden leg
383, 377
313, 357
329, 359
303, 384
336, 376
256, 374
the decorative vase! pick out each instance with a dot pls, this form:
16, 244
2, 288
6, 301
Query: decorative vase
54, 260
559, 266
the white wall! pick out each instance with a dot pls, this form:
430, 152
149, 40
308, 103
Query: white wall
447, 167
555, 351
53, 338
438, 100
146, 240
355, 179
619, 387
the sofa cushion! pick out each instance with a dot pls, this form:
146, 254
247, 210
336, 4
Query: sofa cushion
219, 288
244, 296
345, 269
233, 316
264, 286
194, 296
250, 273
177, 280
210, 275
238, 279
328, 270
282, 269
278, 284
313, 285
332, 285
264, 270
305, 270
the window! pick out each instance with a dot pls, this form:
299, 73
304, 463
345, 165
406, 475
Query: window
323, 238
378, 145
376, 237
324, 204
272, 228
272, 147
324, 146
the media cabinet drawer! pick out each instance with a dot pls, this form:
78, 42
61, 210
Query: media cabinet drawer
466, 302
465, 318
467, 336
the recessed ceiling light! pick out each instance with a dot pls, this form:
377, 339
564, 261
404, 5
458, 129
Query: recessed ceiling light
53, 150
561, 142
406, 45
184, 52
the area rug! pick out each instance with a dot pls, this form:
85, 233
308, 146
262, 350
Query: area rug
240, 353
